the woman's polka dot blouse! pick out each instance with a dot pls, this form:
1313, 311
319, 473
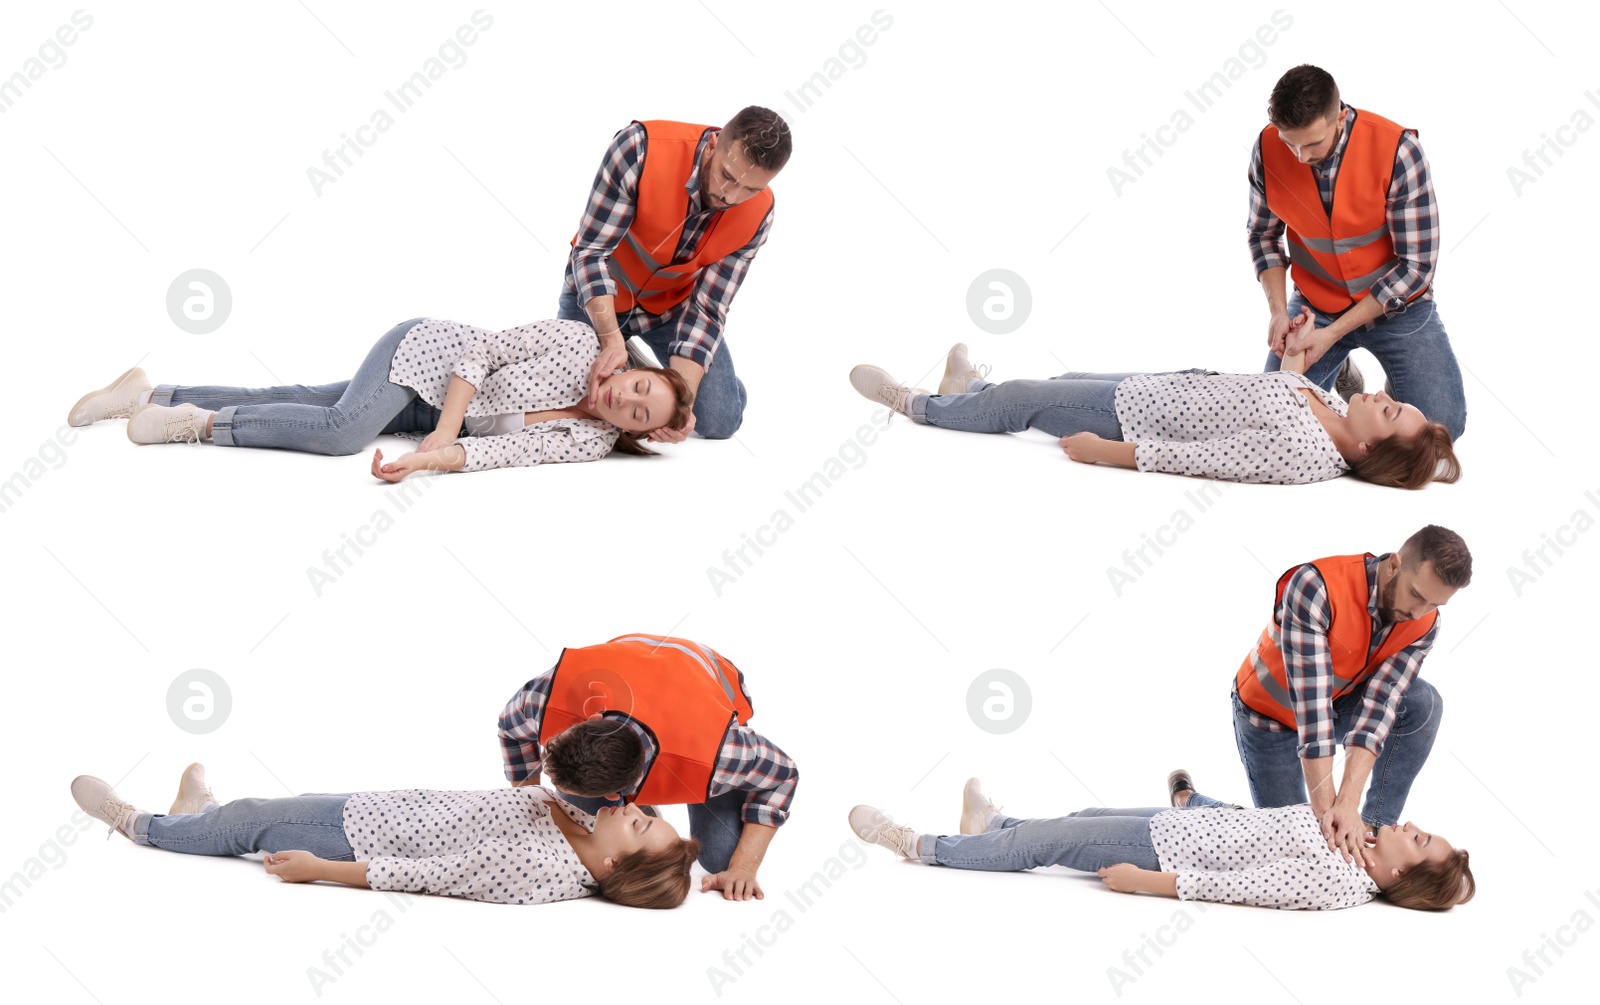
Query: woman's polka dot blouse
1265, 857
541, 365
499, 845
1241, 427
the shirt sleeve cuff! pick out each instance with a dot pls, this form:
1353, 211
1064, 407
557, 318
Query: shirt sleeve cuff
471, 372
1364, 740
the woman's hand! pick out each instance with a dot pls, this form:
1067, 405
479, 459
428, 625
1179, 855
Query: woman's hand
451, 458
1306, 340
1082, 447
1124, 877
436, 440
295, 866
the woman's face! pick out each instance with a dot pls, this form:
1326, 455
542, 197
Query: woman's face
1402, 846
622, 830
1375, 417
636, 401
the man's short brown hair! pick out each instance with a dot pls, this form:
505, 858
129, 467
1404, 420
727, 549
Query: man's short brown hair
1302, 97
596, 757
1452, 562
764, 135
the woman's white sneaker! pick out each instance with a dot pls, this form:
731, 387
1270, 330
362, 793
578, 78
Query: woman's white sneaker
959, 373
976, 809
116, 400
875, 384
167, 424
193, 792
98, 799
874, 825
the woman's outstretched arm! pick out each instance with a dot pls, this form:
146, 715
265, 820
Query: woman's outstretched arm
1129, 878
304, 867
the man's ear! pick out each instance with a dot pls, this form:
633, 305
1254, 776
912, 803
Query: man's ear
595, 715
616, 796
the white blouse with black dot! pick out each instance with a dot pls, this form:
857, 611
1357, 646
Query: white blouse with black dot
1242, 427
541, 365
1265, 857
498, 845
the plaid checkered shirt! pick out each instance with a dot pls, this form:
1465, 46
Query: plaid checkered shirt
1411, 212
747, 761
1304, 618
697, 322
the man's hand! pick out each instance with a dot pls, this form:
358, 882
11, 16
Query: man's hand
1346, 832
1277, 328
294, 866
1082, 447
735, 884
1305, 337
668, 435
613, 357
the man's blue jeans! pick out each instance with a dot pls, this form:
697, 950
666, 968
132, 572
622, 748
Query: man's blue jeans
720, 399
1088, 840
1414, 351
1273, 767
716, 823
339, 419
313, 823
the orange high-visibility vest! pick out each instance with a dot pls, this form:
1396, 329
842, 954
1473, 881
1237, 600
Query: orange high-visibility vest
1262, 682
1335, 258
642, 265
683, 694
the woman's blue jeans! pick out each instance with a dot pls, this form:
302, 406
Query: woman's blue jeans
313, 823
1061, 406
336, 419
1088, 840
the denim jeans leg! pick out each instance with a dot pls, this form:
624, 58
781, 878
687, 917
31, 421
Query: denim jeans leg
1414, 351
717, 824
369, 403
312, 822
1087, 841
1271, 760
1060, 406
214, 398
1405, 749
567, 308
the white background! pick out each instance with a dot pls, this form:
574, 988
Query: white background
178, 136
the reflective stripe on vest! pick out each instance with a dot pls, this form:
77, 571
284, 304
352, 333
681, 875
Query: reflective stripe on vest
683, 694
1263, 681
1334, 258
642, 263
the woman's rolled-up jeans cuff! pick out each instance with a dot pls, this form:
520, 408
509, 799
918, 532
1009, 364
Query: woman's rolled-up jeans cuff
222, 427
918, 409
927, 849
162, 394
